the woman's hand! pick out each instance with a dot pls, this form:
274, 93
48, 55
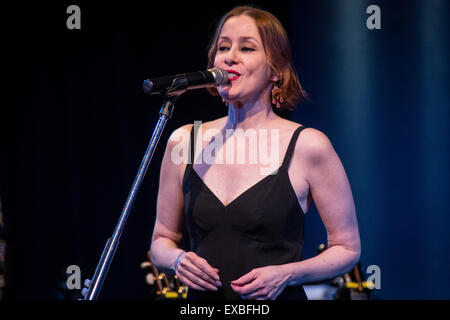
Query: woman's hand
264, 283
196, 272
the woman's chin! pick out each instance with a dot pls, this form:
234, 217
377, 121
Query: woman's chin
229, 97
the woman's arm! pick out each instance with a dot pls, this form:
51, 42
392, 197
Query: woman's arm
192, 270
333, 198
167, 232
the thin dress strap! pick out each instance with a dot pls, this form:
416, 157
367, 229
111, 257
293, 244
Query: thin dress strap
191, 147
291, 147
191, 153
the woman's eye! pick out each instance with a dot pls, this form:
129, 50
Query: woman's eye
244, 49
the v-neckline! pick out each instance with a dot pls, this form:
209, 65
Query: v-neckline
274, 173
277, 171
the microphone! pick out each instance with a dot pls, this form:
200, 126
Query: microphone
177, 84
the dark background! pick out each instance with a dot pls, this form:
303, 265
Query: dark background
75, 124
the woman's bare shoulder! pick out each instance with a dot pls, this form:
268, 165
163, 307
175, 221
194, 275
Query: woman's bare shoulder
313, 145
180, 134
183, 129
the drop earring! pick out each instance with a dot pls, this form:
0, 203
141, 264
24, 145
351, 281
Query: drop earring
277, 99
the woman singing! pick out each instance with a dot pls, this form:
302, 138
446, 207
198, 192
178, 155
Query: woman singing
245, 222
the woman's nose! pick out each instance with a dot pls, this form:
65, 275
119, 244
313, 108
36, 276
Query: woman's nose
231, 58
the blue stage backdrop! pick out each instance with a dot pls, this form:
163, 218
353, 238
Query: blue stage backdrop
382, 96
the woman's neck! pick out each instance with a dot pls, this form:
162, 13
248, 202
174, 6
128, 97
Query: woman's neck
249, 115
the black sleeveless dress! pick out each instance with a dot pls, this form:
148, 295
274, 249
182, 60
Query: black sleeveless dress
263, 226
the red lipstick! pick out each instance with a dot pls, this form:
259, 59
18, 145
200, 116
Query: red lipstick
233, 75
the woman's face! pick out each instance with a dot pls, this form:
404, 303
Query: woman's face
240, 51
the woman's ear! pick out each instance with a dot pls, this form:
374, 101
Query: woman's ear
275, 78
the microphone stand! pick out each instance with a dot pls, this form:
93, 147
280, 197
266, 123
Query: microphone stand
178, 87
